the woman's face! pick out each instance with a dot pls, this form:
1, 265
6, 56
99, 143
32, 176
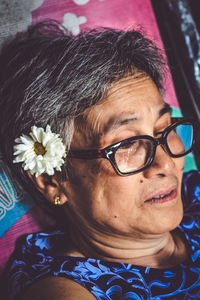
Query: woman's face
107, 202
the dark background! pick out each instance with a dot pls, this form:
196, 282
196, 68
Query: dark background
179, 25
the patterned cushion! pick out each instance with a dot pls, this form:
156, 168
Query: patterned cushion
14, 201
18, 213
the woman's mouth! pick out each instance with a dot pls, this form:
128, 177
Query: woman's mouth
163, 197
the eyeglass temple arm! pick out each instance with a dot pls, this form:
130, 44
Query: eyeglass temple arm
86, 154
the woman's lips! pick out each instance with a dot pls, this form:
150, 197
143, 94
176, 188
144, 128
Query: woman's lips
163, 197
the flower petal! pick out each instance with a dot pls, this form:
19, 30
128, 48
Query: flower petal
37, 133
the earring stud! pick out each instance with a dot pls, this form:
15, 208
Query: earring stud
57, 200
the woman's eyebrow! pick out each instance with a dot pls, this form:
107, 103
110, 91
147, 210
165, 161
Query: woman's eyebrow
116, 123
165, 109
128, 118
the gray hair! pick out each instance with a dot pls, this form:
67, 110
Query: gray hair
50, 77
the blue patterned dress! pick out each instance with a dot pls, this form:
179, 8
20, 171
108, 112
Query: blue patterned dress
37, 258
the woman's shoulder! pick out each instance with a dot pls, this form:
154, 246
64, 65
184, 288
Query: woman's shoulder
36, 260
54, 288
191, 200
190, 224
191, 188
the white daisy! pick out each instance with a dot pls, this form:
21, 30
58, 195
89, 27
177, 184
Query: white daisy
41, 152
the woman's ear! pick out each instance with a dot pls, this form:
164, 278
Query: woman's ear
49, 187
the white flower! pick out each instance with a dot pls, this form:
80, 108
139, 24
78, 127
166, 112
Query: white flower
41, 152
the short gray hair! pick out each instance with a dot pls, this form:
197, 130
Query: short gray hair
50, 77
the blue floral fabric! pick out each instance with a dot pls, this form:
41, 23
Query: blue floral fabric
37, 258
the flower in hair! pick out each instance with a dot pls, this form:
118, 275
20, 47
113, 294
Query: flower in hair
41, 152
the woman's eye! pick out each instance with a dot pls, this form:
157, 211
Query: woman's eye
158, 133
162, 127
161, 130
128, 144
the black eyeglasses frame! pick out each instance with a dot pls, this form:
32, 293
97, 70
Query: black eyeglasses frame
109, 151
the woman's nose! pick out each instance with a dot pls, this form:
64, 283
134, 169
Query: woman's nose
162, 163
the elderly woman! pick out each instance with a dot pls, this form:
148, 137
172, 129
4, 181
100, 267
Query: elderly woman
94, 140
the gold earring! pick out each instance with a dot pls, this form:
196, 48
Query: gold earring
57, 200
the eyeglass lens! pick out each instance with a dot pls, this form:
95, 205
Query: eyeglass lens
180, 139
133, 155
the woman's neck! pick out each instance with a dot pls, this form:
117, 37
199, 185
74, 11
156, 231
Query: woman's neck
161, 251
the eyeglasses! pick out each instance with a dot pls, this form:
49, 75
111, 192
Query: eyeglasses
135, 154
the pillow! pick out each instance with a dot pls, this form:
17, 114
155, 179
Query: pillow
18, 213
